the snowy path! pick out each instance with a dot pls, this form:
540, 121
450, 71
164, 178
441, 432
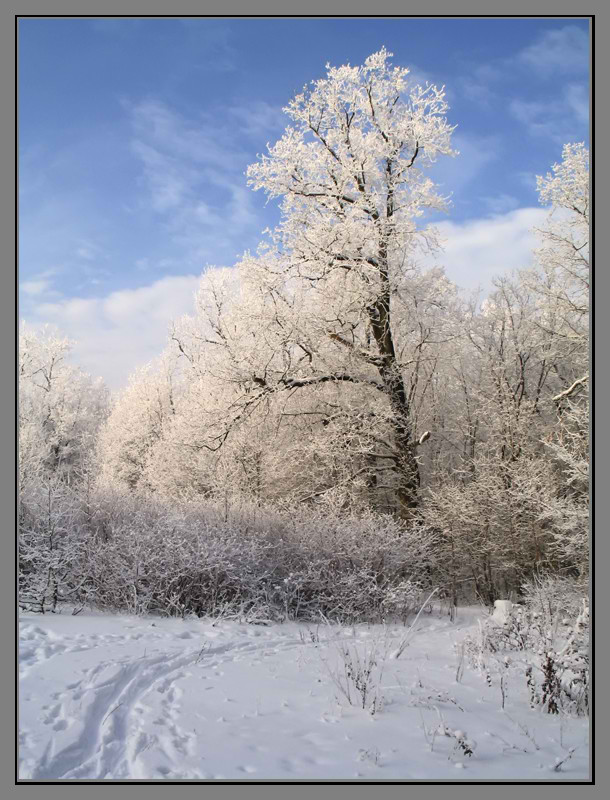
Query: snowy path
105, 697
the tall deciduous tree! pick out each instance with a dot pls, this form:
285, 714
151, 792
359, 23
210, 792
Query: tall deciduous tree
329, 295
136, 422
60, 411
561, 279
562, 284
60, 407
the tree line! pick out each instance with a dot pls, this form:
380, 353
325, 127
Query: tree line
329, 380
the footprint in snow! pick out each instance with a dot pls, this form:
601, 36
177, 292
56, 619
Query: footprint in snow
52, 715
259, 748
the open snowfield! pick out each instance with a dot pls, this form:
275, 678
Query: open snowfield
119, 697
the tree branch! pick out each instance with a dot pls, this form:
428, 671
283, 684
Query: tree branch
579, 384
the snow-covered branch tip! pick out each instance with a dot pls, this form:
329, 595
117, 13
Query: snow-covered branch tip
576, 386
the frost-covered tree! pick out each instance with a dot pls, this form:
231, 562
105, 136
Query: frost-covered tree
517, 359
51, 540
296, 412
136, 422
519, 502
60, 411
335, 299
562, 283
561, 279
60, 407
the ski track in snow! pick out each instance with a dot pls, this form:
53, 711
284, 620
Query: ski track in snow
111, 740
144, 703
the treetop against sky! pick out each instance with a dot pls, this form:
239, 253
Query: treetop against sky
135, 136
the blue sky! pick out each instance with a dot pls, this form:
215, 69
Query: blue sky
134, 135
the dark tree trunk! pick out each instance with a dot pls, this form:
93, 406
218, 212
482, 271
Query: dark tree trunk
407, 468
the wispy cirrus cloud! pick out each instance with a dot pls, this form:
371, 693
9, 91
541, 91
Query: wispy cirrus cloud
194, 179
478, 85
259, 119
192, 138
577, 99
170, 181
556, 52
562, 119
500, 203
115, 196
34, 288
561, 51
563, 115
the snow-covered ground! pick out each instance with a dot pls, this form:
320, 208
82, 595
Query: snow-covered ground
119, 697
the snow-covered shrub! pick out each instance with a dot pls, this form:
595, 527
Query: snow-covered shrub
175, 562
561, 682
50, 544
550, 630
349, 568
492, 537
134, 552
403, 599
554, 597
463, 745
358, 673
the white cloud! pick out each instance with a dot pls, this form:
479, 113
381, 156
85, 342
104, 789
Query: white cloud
86, 253
119, 332
259, 119
558, 51
555, 52
475, 91
190, 139
476, 85
562, 120
476, 251
577, 98
169, 181
528, 111
39, 284
127, 328
195, 180
34, 288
